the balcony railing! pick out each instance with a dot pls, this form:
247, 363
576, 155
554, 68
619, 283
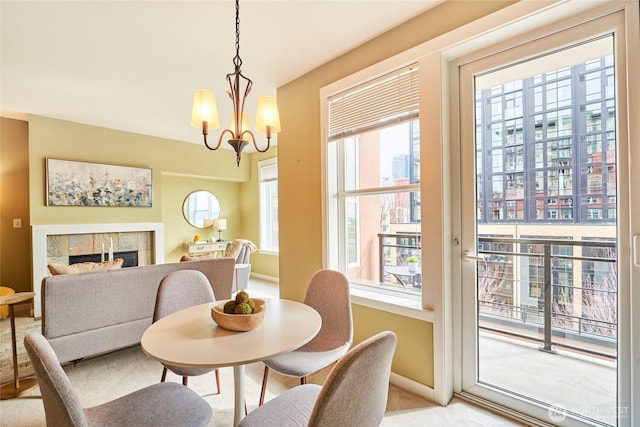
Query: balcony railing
394, 249
558, 292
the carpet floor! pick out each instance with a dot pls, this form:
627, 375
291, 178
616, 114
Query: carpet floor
106, 377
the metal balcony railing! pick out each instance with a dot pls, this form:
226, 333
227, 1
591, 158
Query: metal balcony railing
558, 292
394, 249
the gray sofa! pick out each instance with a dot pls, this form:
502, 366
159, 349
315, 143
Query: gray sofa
94, 313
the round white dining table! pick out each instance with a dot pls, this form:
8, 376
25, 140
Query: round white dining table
190, 338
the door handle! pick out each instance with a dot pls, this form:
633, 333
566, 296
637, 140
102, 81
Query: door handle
468, 256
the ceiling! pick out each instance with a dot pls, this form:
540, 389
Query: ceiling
134, 65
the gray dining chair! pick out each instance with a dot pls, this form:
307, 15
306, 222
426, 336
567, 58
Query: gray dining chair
328, 293
179, 290
353, 395
164, 404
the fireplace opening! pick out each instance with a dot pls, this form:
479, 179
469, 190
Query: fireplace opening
130, 258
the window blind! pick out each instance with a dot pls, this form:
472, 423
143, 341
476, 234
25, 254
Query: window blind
388, 99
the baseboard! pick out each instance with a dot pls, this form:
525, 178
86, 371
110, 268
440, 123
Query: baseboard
412, 386
265, 277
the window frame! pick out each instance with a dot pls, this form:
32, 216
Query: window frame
264, 206
336, 191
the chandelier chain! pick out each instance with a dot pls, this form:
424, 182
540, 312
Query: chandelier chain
237, 61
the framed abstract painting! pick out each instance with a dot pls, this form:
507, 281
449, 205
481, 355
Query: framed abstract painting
76, 183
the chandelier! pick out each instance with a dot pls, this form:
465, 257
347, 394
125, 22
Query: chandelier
205, 112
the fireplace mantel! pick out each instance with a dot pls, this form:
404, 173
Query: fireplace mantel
39, 235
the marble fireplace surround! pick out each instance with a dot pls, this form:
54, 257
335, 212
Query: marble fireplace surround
44, 235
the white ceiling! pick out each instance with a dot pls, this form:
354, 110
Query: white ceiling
133, 65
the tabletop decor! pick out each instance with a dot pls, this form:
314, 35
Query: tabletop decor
240, 314
75, 183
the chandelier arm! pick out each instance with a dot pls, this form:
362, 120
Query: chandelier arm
255, 144
206, 143
219, 140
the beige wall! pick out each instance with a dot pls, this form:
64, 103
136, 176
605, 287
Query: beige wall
15, 243
299, 171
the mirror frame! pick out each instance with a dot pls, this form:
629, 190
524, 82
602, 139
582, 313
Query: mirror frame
190, 216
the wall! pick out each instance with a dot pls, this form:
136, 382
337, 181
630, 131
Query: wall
177, 230
74, 141
299, 161
24, 147
15, 243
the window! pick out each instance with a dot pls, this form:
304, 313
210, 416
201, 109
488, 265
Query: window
373, 177
268, 178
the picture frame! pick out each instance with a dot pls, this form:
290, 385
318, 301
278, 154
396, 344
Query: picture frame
79, 183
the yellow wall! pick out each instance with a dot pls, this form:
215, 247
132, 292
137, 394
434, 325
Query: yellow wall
73, 141
299, 170
24, 146
411, 350
15, 243
177, 230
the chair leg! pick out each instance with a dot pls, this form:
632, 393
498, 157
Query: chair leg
245, 407
303, 380
184, 381
218, 380
264, 385
164, 375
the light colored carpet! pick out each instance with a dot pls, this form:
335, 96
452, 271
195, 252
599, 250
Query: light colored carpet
106, 377
24, 325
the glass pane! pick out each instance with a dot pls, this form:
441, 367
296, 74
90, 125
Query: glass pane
546, 230
395, 150
381, 238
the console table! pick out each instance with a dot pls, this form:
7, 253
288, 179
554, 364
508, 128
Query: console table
205, 248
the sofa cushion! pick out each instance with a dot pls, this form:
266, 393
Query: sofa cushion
84, 267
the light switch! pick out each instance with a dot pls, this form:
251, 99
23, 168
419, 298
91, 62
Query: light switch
17, 223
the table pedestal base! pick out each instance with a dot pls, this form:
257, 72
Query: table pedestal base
238, 379
10, 391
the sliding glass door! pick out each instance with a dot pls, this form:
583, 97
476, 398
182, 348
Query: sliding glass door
540, 195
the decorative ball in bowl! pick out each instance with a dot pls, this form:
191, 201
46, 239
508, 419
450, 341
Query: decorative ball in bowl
235, 316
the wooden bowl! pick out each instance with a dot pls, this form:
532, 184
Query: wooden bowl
239, 322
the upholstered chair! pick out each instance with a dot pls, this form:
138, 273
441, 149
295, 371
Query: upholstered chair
241, 250
164, 404
178, 290
354, 394
328, 293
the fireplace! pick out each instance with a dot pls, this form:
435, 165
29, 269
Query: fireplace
130, 258
59, 243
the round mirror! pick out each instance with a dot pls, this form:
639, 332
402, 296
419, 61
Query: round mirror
200, 207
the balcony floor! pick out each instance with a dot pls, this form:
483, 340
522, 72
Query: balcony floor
576, 382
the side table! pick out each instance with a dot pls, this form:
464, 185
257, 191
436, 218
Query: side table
17, 387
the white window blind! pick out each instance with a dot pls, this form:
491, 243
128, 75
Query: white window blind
378, 103
268, 172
